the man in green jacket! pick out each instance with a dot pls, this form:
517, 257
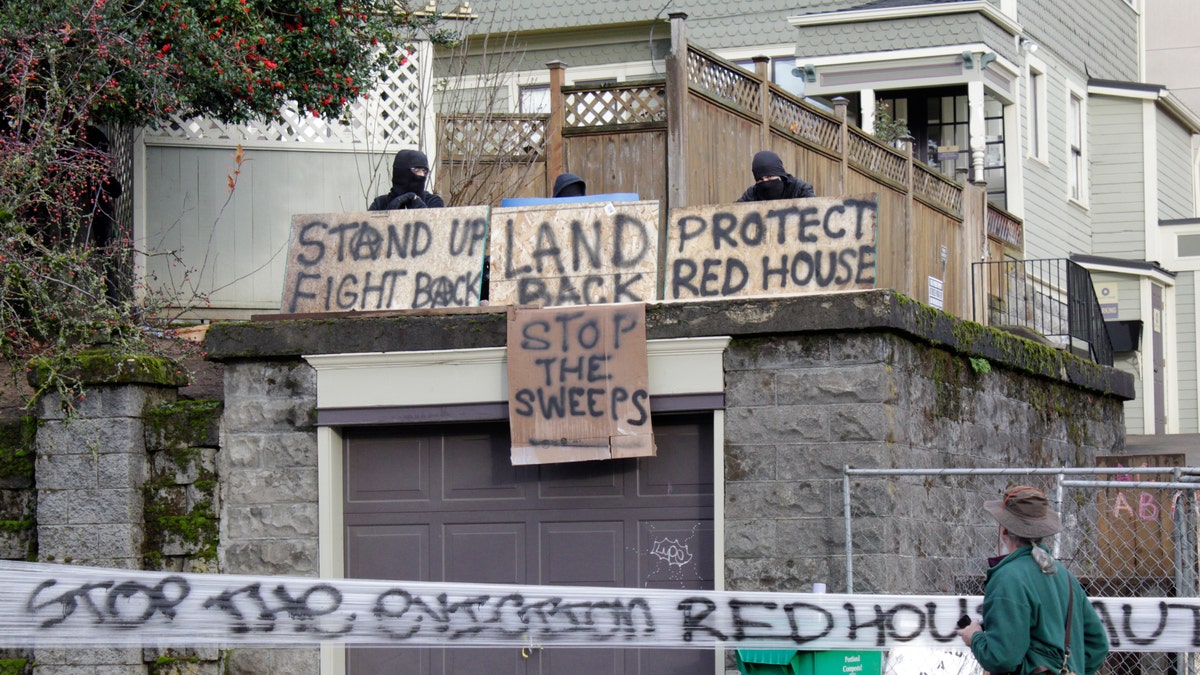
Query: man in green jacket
1026, 598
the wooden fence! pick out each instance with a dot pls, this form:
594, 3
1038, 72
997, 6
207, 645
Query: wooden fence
688, 138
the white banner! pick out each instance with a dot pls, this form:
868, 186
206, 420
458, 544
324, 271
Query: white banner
45, 605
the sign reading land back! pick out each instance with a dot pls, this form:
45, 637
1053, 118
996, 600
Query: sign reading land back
574, 254
578, 384
377, 260
780, 247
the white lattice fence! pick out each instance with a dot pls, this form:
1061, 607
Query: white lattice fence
390, 115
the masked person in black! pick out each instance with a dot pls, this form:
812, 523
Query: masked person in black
569, 185
409, 170
772, 182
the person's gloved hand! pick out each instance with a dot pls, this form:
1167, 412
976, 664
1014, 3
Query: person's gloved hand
417, 203
403, 201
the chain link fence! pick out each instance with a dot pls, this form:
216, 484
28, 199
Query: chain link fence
1128, 532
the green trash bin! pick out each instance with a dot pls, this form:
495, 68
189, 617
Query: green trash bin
771, 662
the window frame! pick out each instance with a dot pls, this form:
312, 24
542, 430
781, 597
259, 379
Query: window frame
1075, 145
1036, 112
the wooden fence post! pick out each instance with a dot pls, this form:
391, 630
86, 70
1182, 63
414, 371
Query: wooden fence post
677, 94
840, 104
554, 125
910, 272
764, 100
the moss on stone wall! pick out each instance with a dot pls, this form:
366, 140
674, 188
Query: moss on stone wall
105, 366
180, 513
183, 424
14, 666
17, 449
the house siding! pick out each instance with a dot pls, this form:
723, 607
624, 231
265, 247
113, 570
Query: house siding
1115, 128
1054, 226
1185, 353
898, 34
1101, 34
1174, 169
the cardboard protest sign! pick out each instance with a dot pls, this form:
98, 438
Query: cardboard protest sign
783, 247
578, 384
376, 260
574, 254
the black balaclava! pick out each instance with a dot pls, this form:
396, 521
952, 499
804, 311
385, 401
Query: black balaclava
403, 179
569, 185
767, 163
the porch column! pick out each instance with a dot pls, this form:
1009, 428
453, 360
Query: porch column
554, 125
977, 129
867, 110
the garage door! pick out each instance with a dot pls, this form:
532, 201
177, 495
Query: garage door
445, 504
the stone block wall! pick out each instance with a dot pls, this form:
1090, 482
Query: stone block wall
800, 408
18, 513
268, 469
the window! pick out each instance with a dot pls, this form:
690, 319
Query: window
535, 98
1076, 168
1037, 113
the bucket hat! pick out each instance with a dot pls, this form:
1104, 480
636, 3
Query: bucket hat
1025, 512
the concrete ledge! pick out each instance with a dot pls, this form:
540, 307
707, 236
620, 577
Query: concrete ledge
866, 311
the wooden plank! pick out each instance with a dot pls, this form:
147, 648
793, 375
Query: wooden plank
578, 384
1136, 526
380, 260
576, 254
783, 247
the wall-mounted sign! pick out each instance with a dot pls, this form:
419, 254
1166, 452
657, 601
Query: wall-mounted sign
378, 260
1109, 299
936, 293
574, 254
784, 247
578, 384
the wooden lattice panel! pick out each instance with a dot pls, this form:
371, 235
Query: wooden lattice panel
806, 123
391, 114
723, 82
1005, 227
877, 158
936, 189
492, 135
615, 105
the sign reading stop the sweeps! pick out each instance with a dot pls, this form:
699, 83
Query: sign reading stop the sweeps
577, 384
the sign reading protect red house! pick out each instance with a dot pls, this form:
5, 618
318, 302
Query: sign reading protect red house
578, 384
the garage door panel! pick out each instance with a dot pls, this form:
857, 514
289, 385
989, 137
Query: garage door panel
386, 469
477, 467
575, 480
677, 469
486, 553
602, 661
481, 661
388, 551
583, 553
675, 554
378, 660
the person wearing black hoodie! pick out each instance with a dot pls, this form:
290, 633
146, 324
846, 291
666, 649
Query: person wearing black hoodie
569, 185
409, 170
771, 181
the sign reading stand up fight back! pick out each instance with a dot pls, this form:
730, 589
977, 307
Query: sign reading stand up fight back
592, 253
380, 260
782, 247
578, 384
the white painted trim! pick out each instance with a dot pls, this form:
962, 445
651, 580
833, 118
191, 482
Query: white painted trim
1073, 90
330, 540
855, 16
1196, 331
1033, 65
743, 53
1156, 275
910, 54
1150, 187
459, 376
1146, 358
683, 366
1170, 361
1122, 92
